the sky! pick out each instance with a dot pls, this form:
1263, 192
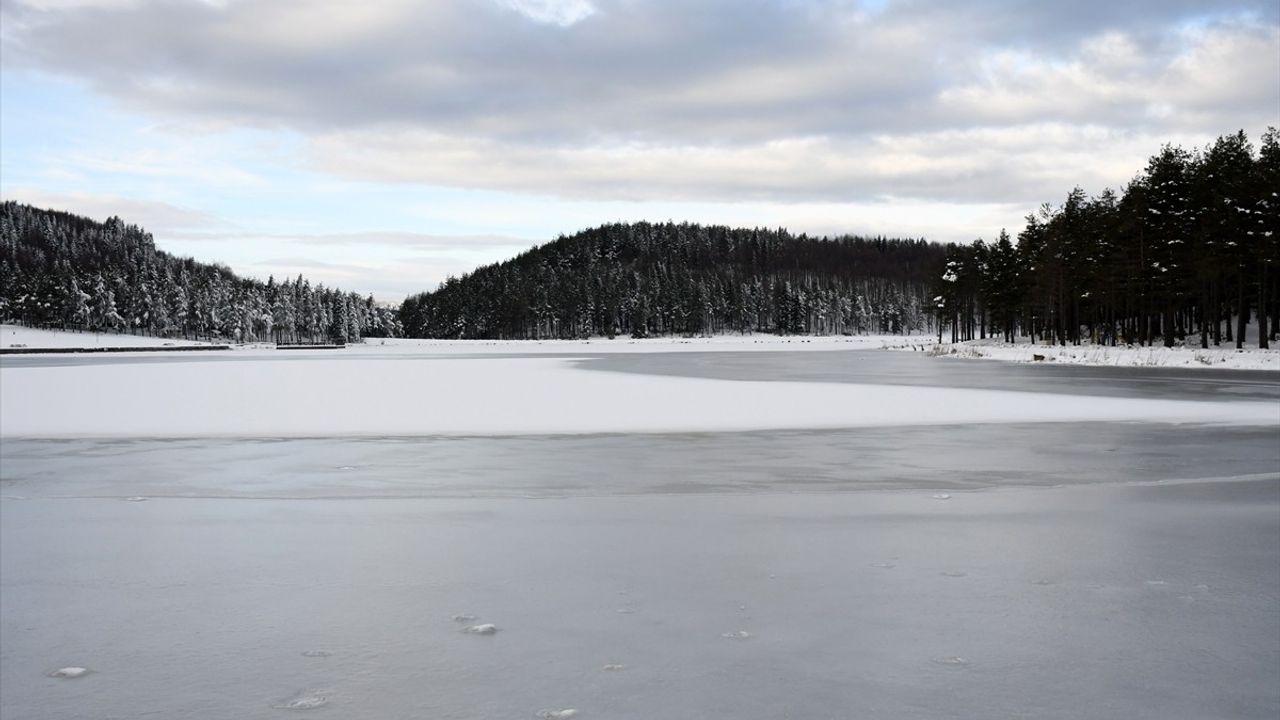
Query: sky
381, 146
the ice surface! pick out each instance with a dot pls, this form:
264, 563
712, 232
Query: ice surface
204, 603
218, 596
304, 700
483, 629
506, 396
69, 672
557, 714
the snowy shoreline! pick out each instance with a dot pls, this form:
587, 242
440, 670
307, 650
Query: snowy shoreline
1219, 358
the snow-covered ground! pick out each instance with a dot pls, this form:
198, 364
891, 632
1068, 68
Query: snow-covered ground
1222, 358
1250, 358
17, 336
622, 344
321, 393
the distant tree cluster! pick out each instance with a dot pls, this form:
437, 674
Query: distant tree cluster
1190, 249
646, 279
61, 270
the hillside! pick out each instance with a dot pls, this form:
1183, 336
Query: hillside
646, 279
59, 270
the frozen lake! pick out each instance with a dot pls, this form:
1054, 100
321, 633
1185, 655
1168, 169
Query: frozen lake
971, 570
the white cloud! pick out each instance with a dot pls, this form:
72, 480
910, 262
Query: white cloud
151, 215
552, 12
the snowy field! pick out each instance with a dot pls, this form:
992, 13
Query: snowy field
17, 336
441, 530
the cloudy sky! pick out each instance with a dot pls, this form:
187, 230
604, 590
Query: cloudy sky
381, 146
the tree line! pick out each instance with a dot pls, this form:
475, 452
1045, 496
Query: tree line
643, 279
1188, 253
59, 270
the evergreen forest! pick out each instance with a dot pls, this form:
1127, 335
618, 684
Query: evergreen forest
1187, 254
644, 279
59, 270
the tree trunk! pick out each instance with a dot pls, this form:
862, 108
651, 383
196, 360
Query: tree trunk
1242, 319
1262, 306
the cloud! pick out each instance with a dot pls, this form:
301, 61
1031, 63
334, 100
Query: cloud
1023, 163
554, 12
155, 217
726, 100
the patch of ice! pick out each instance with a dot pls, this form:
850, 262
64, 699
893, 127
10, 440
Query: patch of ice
316, 653
941, 496
136, 498
884, 565
625, 611
1155, 583
484, 629
952, 661
304, 700
557, 714
1042, 581
465, 618
614, 667
69, 673
954, 573
736, 635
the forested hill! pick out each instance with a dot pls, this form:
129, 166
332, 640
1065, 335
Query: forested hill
65, 271
1189, 253
646, 279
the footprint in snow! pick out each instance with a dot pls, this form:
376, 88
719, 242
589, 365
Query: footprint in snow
69, 673
485, 629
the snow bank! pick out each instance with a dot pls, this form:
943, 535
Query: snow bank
15, 336
594, 346
1120, 356
346, 396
